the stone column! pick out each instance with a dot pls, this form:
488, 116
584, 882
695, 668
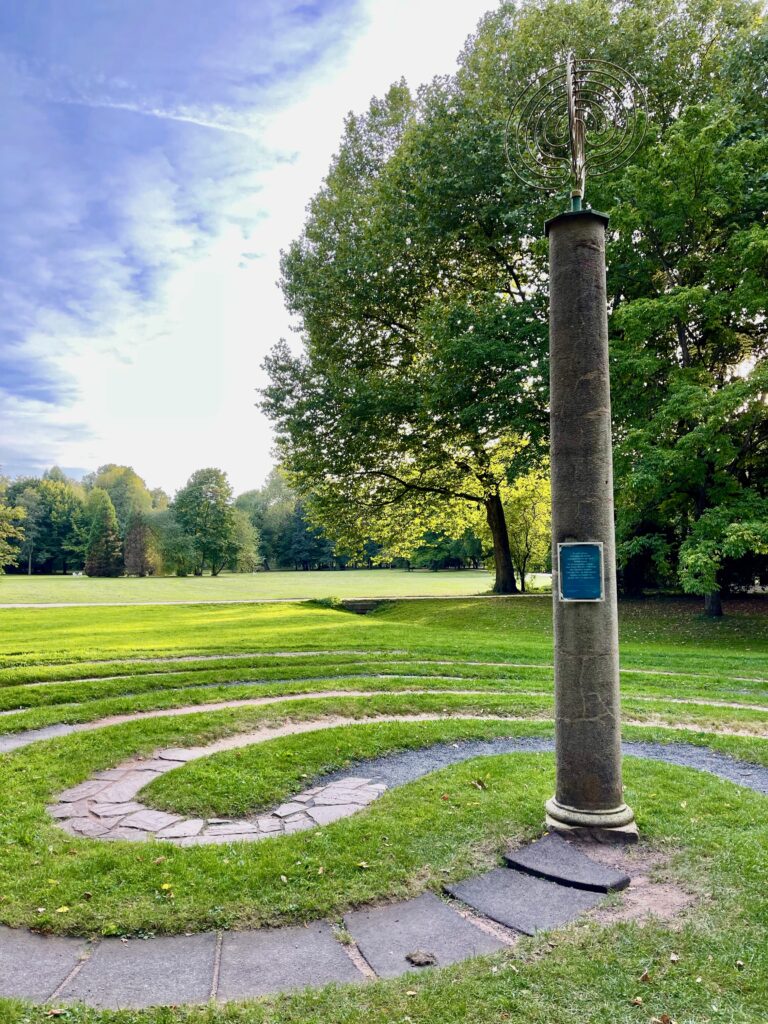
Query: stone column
587, 714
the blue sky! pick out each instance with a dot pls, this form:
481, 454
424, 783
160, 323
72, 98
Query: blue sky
157, 154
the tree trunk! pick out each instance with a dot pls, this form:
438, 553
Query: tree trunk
29, 563
713, 606
505, 575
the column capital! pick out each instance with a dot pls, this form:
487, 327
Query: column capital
576, 215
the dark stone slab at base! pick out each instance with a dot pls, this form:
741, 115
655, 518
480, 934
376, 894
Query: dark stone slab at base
164, 970
277, 959
522, 902
386, 935
562, 861
33, 966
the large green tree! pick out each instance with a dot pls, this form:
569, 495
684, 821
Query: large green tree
419, 282
416, 392
203, 509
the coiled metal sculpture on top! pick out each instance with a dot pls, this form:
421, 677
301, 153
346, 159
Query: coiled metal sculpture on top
581, 116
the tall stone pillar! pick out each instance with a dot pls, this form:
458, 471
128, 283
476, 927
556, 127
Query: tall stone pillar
587, 714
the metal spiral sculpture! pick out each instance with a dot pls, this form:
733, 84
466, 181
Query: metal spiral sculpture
581, 116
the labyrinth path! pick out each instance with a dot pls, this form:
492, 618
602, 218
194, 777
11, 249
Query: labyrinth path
167, 722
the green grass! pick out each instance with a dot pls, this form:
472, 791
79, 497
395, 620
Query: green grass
411, 838
668, 635
82, 664
266, 586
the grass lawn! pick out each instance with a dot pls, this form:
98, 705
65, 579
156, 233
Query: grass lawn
264, 586
441, 658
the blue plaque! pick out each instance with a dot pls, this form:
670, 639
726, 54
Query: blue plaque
580, 572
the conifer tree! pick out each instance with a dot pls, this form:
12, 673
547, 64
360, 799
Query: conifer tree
103, 556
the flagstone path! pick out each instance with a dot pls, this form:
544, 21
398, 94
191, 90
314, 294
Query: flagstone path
538, 890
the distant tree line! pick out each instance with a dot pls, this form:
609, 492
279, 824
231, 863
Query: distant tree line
111, 524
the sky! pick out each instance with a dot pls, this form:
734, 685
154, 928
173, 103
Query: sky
157, 155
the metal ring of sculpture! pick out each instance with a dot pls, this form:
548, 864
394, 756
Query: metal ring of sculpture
581, 116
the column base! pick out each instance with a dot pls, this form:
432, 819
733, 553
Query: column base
615, 825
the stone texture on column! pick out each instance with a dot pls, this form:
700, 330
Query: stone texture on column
587, 714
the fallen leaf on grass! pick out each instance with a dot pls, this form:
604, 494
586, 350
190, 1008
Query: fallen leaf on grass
645, 976
637, 1001
673, 958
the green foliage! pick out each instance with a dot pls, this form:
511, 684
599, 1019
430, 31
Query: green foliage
413, 392
270, 510
420, 287
245, 541
204, 511
528, 507
11, 533
140, 552
126, 489
175, 547
55, 510
103, 555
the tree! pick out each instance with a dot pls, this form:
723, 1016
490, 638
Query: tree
690, 341
103, 555
528, 504
56, 507
308, 548
140, 552
11, 532
29, 500
420, 287
203, 509
417, 386
245, 543
160, 500
270, 510
176, 548
126, 489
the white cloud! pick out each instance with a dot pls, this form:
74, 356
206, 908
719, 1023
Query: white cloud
166, 380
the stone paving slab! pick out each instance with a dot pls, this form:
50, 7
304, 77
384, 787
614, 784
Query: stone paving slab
104, 807
523, 902
280, 959
33, 966
386, 935
563, 861
160, 971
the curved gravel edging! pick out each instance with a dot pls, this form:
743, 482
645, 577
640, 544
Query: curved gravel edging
398, 769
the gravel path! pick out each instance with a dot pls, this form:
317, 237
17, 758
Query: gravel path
398, 769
